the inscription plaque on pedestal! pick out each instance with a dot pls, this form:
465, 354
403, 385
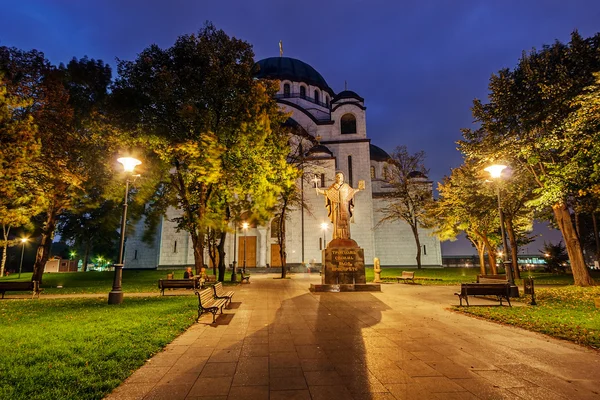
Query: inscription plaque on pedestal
344, 265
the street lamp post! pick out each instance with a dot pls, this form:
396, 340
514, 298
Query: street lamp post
495, 172
245, 226
116, 294
23, 241
324, 229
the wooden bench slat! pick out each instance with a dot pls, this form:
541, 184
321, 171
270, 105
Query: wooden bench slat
177, 284
33, 286
207, 303
406, 276
244, 277
219, 293
500, 290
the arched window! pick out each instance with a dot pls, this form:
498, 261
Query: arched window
286, 90
372, 172
385, 173
303, 92
348, 124
327, 101
317, 97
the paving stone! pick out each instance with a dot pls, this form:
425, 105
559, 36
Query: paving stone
215, 370
211, 387
290, 395
279, 341
249, 393
329, 392
168, 392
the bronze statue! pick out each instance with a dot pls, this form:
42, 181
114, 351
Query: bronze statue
339, 200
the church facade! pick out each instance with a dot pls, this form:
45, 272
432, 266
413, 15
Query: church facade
333, 129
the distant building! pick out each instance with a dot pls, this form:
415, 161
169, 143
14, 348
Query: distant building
332, 127
59, 265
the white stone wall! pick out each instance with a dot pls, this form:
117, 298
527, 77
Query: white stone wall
395, 243
139, 254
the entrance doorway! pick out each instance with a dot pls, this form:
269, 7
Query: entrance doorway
275, 255
250, 251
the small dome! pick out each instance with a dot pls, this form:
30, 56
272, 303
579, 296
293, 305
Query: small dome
348, 94
285, 68
319, 149
378, 154
417, 175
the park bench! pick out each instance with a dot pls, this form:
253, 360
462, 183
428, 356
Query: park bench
33, 286
500, 290
244, 277
222, 294
208, 303
406, 276
210, 278
177, 284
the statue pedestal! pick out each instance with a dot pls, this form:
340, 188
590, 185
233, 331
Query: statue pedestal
343, 269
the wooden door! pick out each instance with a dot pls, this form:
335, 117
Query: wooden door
275, 255
250, 251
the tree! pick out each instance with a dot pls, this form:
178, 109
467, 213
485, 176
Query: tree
556, 256
92, 231
19, 199
527, 121
411, 192
77, 142
213, 126
466, 205
291, 196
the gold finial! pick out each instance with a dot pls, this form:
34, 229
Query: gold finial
281, 48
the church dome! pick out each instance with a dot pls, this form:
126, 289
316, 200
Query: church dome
348, 94
319, 150
378, 154
285, 68
417, 175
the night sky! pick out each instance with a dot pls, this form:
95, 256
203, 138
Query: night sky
418, 64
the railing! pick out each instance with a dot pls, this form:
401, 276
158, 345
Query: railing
300, 96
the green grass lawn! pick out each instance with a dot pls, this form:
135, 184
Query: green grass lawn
455, 276
83, 348
134, 281
566, 312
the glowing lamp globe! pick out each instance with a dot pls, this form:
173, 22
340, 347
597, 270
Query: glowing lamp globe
129, 163
245, 225
324, 225
495, 170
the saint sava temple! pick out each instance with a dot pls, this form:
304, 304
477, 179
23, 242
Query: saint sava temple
332, 128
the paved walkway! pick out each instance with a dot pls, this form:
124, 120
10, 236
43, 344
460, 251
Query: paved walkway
279, 341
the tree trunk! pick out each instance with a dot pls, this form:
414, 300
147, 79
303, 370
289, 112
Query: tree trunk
43, 251
415, 231
5, 233
198, 245
480, 246
513, 247
281, 240
581, 275
213, 250
491, 256
596, 237
221, 261
86, 255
